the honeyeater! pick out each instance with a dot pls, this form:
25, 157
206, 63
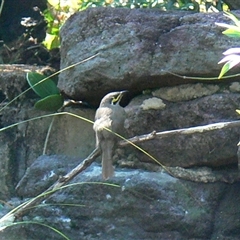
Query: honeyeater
110, 115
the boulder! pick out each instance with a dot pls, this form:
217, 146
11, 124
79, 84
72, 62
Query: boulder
135, 205
22, 143
214, 148
138, 49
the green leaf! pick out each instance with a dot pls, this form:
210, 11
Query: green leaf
229, 65
232, 32
49, 17
233, 18
50, 103
224, 69
54, 31
51, 41
42, 85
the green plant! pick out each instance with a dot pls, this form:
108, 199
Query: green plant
232, 57
45, 91
51, 98
55, 15
59, 11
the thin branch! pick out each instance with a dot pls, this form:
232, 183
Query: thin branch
61, 181
183, 131
90, 159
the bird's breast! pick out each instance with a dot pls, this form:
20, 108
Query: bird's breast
111, 117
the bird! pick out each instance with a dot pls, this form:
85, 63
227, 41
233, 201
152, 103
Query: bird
110, 115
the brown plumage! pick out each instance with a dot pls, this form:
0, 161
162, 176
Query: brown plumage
112, 116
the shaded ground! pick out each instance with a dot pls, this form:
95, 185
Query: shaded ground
27, 51
22, 29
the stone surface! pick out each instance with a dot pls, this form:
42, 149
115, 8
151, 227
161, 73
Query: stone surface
186, 92
140, 205
7, 165
144, 45
69, 136
22, 144
13, 80
143, 202
213, 148
44, 172
153, 103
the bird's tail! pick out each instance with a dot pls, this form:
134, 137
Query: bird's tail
107, 166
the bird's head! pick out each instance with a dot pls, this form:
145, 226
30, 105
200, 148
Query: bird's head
112, 98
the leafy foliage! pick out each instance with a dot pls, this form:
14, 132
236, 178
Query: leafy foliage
46, 88
50, 103
60, 10
56, 14
41, 85
232, 55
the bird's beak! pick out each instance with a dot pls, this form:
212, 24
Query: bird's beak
121, 95
118, 98
124, 91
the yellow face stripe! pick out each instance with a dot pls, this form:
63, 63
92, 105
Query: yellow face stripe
116, 99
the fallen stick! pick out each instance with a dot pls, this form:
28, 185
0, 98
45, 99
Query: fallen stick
90, 159
60, 182
184, 131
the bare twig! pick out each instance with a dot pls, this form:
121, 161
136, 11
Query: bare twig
183, 131
61, 181
90, 159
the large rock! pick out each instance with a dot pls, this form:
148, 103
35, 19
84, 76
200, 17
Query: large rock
213, 148
137, 49
7, 165
21, 144
12, 149
136, 205
143, 204
177, 107
13, 81
44, 172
